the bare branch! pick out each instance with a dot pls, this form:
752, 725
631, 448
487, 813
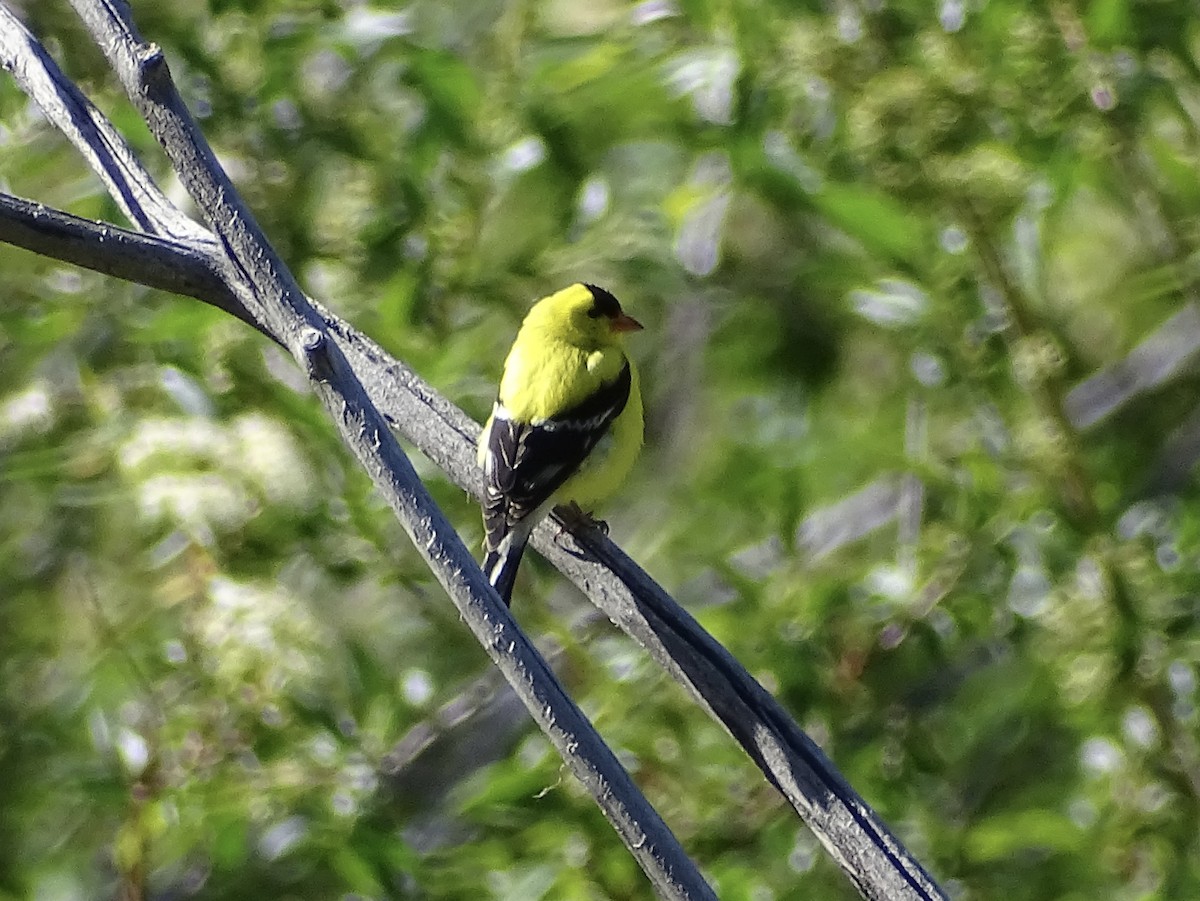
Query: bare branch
878, 864
178, 266
92, 134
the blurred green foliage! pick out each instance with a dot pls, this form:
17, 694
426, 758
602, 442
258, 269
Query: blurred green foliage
877, 245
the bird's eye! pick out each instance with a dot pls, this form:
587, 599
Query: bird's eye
604, 304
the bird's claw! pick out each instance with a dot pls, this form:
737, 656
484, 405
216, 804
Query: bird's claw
574, 517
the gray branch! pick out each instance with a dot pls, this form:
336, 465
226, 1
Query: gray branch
180, 267
877, 864
110, 157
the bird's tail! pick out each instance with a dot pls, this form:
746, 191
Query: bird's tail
500, 567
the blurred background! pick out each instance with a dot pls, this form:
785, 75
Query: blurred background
921, 374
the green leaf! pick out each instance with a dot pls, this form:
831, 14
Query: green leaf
451, 89
1109, 21
1004, 835
880, 223
357, 873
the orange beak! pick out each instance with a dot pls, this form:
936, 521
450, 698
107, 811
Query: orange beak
624, 323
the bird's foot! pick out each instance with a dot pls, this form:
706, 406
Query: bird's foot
575, 517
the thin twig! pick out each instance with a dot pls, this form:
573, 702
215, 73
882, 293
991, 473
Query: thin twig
1074, 487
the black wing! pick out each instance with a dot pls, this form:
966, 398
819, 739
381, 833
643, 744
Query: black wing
526, 463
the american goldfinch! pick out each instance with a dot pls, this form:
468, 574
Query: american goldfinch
567, 384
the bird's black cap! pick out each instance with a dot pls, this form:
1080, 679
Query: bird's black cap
605, 305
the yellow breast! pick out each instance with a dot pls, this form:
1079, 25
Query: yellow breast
610, 462
544, 380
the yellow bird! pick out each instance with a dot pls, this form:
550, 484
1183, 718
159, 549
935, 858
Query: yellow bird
567, 385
